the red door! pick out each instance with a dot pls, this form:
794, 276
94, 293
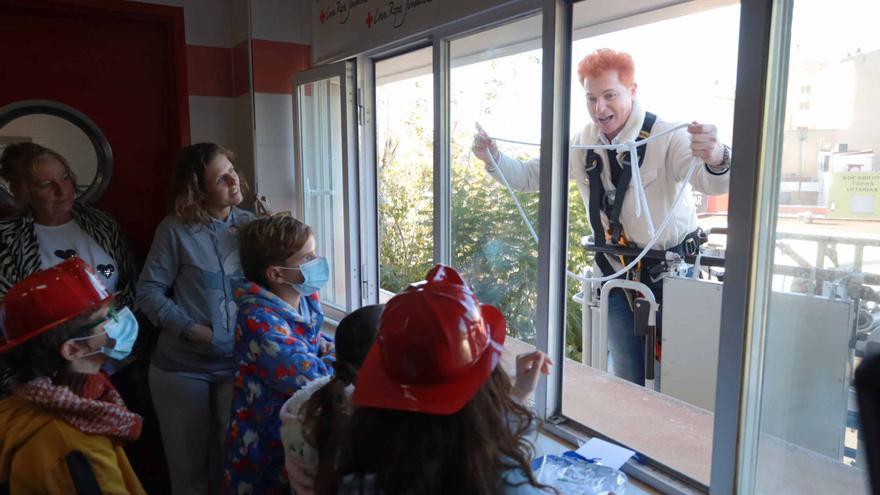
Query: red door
120, 63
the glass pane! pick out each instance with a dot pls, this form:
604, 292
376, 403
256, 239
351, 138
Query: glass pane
497, 84
405, 161
822, 310
59, 134
669, 418
320, 121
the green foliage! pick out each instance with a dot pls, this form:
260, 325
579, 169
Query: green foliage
406, 220
492, 247
491, 244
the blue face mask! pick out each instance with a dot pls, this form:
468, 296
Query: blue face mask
122, 327
316, 273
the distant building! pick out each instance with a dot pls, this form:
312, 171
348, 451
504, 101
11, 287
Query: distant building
830, 124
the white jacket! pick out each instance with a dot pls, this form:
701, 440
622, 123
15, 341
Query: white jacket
291, 426
300, 458
666, 164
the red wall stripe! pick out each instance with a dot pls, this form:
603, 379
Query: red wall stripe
241, 76
276, 62
215, 71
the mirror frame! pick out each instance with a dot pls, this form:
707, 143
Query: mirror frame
103, 152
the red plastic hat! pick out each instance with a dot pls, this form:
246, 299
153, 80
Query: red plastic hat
436, 347
49, 298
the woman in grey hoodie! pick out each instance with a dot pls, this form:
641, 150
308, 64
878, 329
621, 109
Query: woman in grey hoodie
185, 290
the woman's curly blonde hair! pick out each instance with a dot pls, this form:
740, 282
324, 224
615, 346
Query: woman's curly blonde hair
188, 184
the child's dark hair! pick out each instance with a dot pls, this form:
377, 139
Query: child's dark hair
430, 454
40, 356
269, 241
323, 413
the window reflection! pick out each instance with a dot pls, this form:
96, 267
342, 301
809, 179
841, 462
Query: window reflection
673, 427
498, 85
405, 162
824, 307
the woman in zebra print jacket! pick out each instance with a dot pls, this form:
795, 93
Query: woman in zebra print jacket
51, 226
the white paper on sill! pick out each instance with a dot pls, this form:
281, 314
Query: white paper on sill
605, 453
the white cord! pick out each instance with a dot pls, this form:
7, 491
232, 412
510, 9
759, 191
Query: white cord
519, 207
631, 146
694, 166
641, 200
516, 142
515, 200
697, 266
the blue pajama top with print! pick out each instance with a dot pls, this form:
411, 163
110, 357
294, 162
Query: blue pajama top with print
277, 351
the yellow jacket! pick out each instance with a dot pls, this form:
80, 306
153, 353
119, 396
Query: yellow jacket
42, 454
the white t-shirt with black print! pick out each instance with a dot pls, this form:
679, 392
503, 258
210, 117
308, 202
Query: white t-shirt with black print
63, 241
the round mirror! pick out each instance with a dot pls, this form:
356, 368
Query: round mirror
65, 130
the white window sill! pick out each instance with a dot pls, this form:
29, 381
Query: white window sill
679, 435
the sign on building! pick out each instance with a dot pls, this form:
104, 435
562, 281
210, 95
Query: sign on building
854, 195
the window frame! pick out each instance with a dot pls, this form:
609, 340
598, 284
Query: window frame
759, 35
751, 78
439, 39
553, 212
345, 71
754, 113
370, 172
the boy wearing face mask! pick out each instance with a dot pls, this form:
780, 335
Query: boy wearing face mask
63, 428
279, 347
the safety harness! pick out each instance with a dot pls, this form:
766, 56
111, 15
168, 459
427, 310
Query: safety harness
611, 203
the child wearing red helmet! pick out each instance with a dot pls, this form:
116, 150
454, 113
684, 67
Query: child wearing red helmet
434, 412
63, 428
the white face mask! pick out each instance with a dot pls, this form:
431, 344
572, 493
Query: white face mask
120, 326
316, 273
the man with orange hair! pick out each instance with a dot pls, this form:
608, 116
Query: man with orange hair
617, 118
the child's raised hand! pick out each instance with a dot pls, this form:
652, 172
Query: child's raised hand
529, 367
325, 347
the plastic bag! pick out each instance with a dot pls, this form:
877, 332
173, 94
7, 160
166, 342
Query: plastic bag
572, 474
